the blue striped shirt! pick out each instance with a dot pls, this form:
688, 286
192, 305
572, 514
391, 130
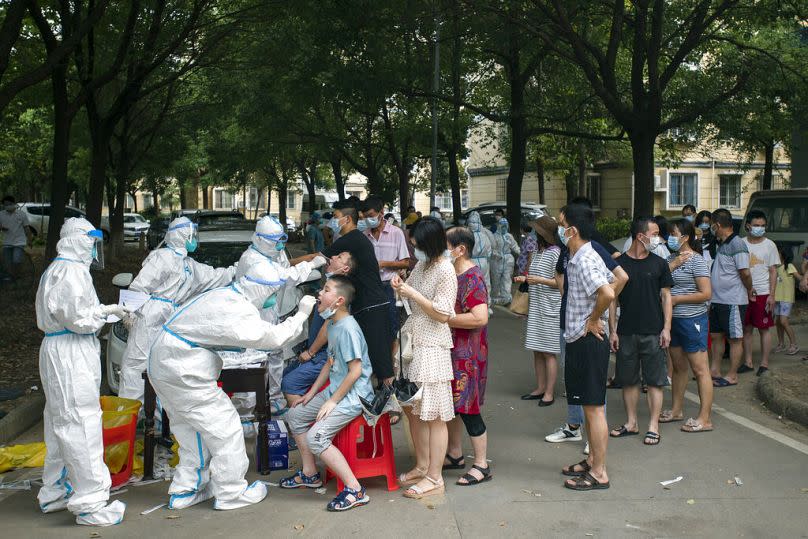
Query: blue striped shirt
684, 283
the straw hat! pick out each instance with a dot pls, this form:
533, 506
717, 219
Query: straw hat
546, 227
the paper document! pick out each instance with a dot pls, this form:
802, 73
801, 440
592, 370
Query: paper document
129, 300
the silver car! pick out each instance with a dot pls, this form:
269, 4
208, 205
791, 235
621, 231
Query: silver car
218, 247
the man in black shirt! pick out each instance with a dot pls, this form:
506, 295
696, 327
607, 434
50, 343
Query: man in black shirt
370, 304
643, 331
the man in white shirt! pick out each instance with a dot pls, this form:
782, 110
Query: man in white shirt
16, 236
763, 262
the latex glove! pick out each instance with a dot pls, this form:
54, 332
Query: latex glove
318, 262
115, 310
128, 321
306, 305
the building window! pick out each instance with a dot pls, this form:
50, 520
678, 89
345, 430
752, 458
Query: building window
148, 202
729, 191
502, 188
349, 194
682, 189
222, 199
444, 200
290, 200
593, 189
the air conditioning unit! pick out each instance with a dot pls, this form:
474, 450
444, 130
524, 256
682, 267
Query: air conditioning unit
661, 181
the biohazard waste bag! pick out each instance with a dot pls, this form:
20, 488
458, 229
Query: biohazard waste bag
117, 412
22, 456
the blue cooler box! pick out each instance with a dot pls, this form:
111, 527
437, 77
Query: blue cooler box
278, 446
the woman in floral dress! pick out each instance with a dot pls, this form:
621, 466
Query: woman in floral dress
469, 359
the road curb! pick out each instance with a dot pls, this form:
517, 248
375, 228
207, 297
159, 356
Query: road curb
21, 418
770, 391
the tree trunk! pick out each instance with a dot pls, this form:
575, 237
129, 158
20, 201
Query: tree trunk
642, 152
133, 194
454, 183
156, 198
205, 198
768, 165
183, 199
269, 197
581, 170
570, 184
518, 158
61, 156
336, 168
540, 178
283, 188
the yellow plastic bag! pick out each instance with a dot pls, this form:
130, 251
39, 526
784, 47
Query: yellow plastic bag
117, 412
22, 456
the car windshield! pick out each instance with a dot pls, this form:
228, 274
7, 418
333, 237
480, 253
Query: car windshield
785, 214
219, 220
133, 219
219, 254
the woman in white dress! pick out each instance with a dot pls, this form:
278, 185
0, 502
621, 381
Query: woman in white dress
431, 291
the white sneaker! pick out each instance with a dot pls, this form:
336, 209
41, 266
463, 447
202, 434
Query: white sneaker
110, 515
251, 495
586, 448
564, 434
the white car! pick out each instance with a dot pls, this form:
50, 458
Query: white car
38, 214
134, 225
221, 246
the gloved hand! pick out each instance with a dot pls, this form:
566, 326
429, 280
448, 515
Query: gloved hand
116, 310
318, 262
306, 305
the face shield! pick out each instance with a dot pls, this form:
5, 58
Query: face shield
275, 241
98, 249
191, 233
264, 295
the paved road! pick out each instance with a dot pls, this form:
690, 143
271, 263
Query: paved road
526, 498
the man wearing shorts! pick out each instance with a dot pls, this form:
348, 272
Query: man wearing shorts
732, 286
763, 262
643, 331
587, 352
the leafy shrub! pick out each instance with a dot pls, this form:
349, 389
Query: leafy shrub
613, 228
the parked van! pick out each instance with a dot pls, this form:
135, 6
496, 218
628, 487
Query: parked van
786, 216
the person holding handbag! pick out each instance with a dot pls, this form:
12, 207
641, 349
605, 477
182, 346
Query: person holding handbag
431, 291
542, 327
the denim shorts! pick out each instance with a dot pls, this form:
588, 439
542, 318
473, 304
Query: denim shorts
298, 377
690, 334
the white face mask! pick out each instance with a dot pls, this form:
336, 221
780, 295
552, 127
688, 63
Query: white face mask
420, 255
653, 243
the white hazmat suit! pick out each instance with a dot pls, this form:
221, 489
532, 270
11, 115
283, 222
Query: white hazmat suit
184, 367
502, 262
68, 311
170, 277
269, 241
483, 247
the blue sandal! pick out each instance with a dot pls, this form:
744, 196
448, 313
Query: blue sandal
342, 503
308, 481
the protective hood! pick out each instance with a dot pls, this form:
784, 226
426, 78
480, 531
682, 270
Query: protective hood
268, 235
180, 230
502, 226
259, 282
75, 242
474, 222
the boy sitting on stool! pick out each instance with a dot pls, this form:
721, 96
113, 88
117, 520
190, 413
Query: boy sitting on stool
348, 370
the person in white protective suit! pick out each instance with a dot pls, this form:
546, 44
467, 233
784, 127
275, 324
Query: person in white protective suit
170, 277
268, 243
483, 246
68, 311
184, 367
502, 262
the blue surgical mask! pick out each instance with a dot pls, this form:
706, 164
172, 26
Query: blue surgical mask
420, 255
270, 302
362, 225
333, 224
690, 218
757, 231
371, 222
329, 274
329, 312
191, 245
673, 243
561, 235
704, 226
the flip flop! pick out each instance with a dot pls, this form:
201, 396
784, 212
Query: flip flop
623, 431
745, 368
694, 426
651, 435
667, 417
585, 482
723, 382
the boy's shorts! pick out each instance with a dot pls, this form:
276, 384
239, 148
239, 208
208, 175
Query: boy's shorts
783, 308
298, 377
756, 314
690, 333
301, 418
727, 319
641, 353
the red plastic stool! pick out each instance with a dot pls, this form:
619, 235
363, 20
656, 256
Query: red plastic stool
118, 435
368, 450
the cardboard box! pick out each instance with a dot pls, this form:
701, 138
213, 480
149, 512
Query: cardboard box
278, 442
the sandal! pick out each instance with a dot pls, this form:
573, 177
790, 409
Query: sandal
458, 463
723, 382
471, 480
308, 481
404, 482
668, 417
762, 370
622, 431
342, 503
416, 493
572, 472
692, 425
779, 348
792, 350
585, 482
653, 436
745, 368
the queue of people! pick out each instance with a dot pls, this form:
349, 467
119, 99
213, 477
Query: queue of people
586, 299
